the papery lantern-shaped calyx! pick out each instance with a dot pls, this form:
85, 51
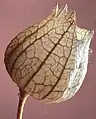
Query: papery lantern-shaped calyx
49, 60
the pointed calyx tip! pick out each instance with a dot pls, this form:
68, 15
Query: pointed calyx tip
66, 8
57, 8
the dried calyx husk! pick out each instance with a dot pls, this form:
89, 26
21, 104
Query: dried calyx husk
48, 61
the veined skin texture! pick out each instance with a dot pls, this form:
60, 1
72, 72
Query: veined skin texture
49, 60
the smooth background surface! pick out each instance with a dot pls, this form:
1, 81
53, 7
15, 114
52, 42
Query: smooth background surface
15, 15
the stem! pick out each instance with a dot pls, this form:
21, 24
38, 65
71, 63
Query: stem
22, 100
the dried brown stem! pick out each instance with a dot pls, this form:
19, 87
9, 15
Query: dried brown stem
22, 100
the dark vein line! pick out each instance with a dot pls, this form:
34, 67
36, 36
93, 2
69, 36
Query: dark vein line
60, 75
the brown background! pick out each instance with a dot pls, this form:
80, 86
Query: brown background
15, 15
